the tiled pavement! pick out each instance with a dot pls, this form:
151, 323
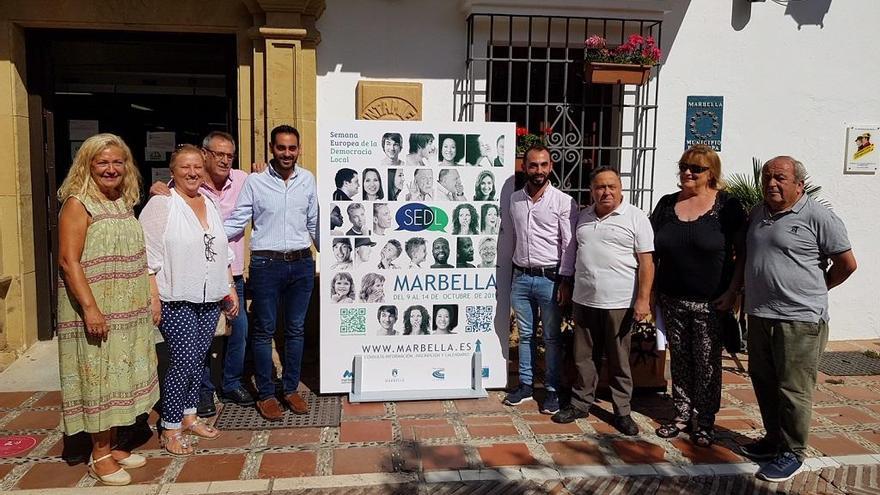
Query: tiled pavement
409, 447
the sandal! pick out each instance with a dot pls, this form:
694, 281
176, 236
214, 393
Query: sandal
704, 437
176, 444
117, 478
133, 461
669, 430
201, 429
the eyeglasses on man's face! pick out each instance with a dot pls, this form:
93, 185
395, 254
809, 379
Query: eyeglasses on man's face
220, 155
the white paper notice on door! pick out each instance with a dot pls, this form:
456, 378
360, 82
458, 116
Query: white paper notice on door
160, 141
80, 130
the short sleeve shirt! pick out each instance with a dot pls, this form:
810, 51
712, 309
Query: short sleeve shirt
787, 254
606, 269
695, 259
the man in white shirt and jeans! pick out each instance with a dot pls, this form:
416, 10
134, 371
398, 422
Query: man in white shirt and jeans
613, 274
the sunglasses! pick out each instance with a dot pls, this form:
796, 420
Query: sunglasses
209, 248
689, 167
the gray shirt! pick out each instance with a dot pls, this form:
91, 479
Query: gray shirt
787, 254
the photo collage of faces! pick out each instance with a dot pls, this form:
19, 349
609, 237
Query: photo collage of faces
459, 174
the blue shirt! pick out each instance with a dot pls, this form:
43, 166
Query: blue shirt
285, 214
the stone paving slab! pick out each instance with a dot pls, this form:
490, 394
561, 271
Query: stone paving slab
863, 479
433, 444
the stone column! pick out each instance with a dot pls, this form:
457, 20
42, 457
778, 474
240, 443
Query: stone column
284, 78
283, 85
18, 323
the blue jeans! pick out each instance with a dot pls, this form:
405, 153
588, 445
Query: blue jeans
236, 344
290, 283
529, 296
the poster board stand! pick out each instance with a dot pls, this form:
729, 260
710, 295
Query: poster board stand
476, 391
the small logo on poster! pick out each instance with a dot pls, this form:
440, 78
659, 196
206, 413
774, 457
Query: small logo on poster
485, 372
395, 376
416, 217
347, 376
439, 373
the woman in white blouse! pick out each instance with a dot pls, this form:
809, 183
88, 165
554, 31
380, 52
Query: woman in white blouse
188, 259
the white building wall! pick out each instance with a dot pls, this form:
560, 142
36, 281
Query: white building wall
788, 89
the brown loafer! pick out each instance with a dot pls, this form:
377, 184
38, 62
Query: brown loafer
270, 409
296, 403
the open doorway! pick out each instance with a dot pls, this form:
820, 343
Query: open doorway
155, 90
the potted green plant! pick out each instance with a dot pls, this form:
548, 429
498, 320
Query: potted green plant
748, 188
629, 63
525, 139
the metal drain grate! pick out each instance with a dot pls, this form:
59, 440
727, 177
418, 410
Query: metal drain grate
848, 363
323, 411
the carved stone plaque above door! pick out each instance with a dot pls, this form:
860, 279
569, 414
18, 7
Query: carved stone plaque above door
388, 100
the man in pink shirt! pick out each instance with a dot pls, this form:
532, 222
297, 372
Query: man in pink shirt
541, 218
223, 184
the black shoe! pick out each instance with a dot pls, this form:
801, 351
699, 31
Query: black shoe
238, 396
550, 404
760, 450
522, 394
568, 415
206, 408
626, 425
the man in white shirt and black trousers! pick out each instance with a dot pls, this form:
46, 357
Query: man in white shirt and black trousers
613, 274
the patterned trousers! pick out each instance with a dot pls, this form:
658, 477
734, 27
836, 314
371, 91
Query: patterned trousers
188, 329
694, 332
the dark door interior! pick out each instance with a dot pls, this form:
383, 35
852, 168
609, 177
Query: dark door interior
173, 88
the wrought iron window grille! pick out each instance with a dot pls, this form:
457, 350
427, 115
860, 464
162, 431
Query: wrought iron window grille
529, 69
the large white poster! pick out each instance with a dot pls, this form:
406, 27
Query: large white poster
410, 276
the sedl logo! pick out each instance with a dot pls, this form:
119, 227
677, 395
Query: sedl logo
439, 373
416, 217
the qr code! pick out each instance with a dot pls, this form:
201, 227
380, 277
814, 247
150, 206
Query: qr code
353, 321
478, 318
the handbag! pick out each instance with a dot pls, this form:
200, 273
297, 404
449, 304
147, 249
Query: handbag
224, 327
732, 333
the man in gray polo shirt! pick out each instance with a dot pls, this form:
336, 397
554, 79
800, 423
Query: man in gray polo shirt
790, 240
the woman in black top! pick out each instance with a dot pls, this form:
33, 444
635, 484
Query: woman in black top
697, 233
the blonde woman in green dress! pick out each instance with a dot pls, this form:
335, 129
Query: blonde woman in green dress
105, 317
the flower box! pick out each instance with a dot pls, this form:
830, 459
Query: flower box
628, 63
611, 73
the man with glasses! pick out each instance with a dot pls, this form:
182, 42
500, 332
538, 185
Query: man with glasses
223, 184
282, 202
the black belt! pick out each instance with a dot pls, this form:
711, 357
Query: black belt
540, 271
284, 255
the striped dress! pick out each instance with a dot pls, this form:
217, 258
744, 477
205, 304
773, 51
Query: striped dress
107, 384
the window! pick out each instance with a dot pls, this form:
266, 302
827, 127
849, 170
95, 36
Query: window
530, 70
